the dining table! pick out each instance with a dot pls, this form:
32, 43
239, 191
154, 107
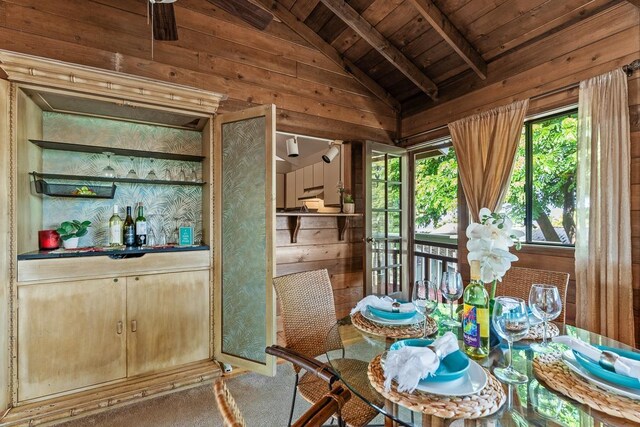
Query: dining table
531, 403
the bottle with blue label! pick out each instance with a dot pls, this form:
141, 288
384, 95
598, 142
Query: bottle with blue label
475, 316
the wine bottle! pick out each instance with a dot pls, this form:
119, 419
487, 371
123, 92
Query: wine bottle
115, 228
129, 230
141, 227
475, 316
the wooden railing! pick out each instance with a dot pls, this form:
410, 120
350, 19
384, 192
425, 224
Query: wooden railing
432, 256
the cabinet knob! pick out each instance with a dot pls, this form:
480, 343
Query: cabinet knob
137, 278
115, 280
119, 327
134, 326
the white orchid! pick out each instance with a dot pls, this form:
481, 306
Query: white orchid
489, 242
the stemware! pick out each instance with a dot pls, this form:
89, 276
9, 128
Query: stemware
151, 176
108, 171
425, 298
132, 172
545, 304
181, 175
168, 176
451, 288
510, 319
193, 176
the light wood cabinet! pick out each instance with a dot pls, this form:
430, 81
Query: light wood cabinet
280, 192
168, 320
71, 335
290, 185
318, 174
308, 176
299, 186
331, 177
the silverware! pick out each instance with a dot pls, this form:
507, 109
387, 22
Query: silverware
395, 307
608, 360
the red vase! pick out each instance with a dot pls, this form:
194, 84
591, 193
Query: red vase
48, 239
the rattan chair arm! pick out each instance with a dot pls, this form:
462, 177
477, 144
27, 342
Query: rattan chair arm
324, 408
319, 369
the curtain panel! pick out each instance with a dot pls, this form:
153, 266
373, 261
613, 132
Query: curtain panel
603, 235
486, 146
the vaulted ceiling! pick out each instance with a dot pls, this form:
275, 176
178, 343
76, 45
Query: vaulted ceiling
411, 52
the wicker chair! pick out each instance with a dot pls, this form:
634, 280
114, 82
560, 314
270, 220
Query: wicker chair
308, 316
518, 281
315, 416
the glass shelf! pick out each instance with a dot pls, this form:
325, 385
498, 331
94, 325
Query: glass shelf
84, 178
65, 146
74, 190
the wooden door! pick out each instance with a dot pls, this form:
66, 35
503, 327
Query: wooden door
244, 258
167, 320
70, 335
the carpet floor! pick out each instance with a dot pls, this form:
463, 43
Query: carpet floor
264, 402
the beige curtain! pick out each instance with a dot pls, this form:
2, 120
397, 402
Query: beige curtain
486, 146
603, 234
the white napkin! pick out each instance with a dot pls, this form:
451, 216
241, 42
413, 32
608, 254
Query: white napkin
409, 364
623, 366
383, 303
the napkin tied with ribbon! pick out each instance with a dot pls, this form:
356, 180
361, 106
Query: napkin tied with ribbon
382, 303
622, 366
410, 364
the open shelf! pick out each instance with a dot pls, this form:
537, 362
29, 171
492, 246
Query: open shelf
72, 190
84, 178
65, 146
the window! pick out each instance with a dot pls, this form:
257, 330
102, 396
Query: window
541, 198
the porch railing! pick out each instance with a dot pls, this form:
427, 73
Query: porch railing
434, 255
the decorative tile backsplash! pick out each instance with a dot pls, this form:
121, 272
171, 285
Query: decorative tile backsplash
165, 206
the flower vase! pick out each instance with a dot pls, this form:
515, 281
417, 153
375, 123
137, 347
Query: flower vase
494, 339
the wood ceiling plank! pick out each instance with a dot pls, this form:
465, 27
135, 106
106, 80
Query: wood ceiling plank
246, 11
377, 40
335, 26
303, 8
314, 39
318, 17
452, 36
634, 2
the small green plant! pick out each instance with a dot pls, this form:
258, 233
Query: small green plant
348, 198
74, 228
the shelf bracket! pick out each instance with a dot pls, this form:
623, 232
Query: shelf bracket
343, 225
294, 226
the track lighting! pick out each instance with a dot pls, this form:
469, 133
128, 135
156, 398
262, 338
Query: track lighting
331, 153
292, 147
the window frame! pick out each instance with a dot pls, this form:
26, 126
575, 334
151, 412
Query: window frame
528, 184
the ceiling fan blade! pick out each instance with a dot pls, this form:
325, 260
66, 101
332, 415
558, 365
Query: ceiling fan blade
247, 11
164, 22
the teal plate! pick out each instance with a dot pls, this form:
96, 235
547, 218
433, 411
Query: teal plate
595, 369
388, 315
452, 367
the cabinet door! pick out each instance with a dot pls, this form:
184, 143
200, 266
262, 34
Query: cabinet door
331, 177
318, 175
299, 186
280, 191
290, 186
308, 176
168, 320
70, 335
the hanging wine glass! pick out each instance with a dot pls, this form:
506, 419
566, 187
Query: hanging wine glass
168, 176
193, 176
108, 171
182, 176
132, 172
152, 174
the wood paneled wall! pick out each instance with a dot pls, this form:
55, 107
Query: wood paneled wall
548, 71
215, 51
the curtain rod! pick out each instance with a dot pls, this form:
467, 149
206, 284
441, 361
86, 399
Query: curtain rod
628, 69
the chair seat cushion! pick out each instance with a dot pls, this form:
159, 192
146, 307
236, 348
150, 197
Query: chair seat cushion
355, 412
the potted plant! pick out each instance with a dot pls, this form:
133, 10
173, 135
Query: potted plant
71, 231
349, 206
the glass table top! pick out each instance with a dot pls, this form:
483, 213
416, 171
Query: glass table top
527, 404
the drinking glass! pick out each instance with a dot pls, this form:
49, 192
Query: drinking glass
193, 176
425, 299
108, 171
451, 288
151, 176
182, 176
545, 304
132, 172
168, 176
510, 319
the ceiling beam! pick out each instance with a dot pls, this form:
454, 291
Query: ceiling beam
635, 2
452, 36
382, 45
329, 51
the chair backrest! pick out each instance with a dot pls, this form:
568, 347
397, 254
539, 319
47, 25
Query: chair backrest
315, 416
308, 312
518, 280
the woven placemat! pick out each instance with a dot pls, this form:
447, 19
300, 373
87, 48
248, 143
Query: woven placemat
406, 331
487, 402
550, 369
536, 332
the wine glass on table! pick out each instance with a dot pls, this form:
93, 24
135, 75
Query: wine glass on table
510, 319
425, 299
545, 304
451, 289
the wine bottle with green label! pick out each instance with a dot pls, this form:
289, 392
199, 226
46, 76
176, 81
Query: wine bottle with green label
141, 227
475, 316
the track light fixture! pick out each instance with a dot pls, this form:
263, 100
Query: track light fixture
292, 147
331, 153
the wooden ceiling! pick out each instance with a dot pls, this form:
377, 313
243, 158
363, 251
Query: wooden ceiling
412, 52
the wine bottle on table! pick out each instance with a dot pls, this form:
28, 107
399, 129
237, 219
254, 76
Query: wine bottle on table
129, 230
475, 317
115, 228
141, 227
